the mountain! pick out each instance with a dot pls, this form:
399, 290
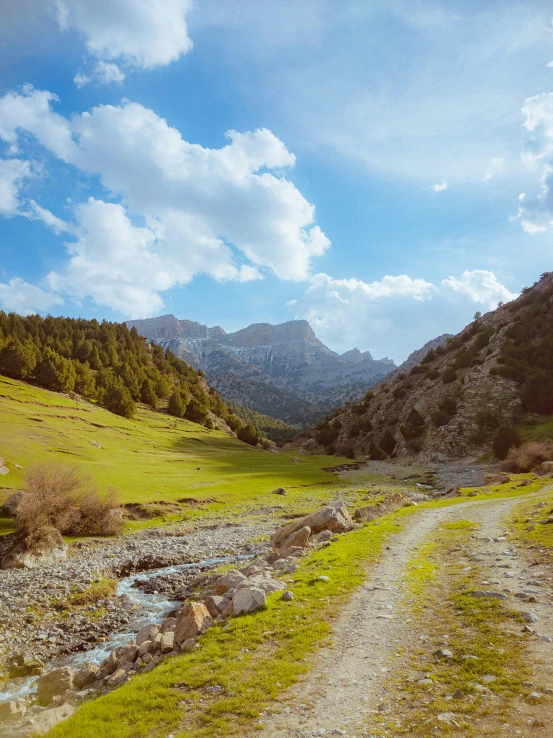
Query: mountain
283, 370
465, 392
417, 356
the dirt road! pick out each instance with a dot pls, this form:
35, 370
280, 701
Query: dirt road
350, 679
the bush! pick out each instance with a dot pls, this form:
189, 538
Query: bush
62, 498
528, 456
413, 426
196, 411
177, 405
449, 375
388, 443
117, 399
506, 437
439, 418
249, 434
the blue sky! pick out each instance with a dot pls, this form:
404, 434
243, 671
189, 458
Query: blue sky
380, 168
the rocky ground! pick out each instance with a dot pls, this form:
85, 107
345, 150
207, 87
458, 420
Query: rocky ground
35, 621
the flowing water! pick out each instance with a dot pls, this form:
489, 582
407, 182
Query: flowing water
153, 608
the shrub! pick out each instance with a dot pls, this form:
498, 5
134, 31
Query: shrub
63, 499
528, 456
388, 443
196, 411
449, 375
413, 426
448, 405
432, 374
249, 434
439, 418
505, 438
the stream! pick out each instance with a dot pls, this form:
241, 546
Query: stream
153, 608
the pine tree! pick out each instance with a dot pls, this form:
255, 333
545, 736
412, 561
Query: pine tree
177, 405
55, 372
147, 393
17, 359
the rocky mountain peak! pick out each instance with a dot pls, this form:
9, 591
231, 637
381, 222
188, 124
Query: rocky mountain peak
260, 334
355, 356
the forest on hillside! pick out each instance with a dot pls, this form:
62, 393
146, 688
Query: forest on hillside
112, 365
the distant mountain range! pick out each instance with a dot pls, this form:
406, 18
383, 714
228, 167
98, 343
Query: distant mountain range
280, 370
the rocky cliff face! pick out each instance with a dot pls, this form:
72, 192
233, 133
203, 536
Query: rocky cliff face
292, 375
454, 396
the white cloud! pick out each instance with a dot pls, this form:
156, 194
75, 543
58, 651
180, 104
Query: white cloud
398, 313
480, 286
536, 211
12, 174
24, 298
440, 186
105, 73
140, 33
31, 111
185, 209
36, 212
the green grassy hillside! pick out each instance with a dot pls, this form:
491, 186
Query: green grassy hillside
153, 457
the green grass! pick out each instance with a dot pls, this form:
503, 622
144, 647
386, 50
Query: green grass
528, 521
153, 457
6, 526
540, 428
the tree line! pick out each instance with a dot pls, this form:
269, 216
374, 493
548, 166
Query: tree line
111, 365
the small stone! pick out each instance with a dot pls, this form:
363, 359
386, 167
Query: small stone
535, 696
287, 596
530, 617
458, 694
323, 578
444, 653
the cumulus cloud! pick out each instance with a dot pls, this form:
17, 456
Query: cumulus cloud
24, 298
397, 313
536, 211
480, 286
12, 174
440, 186
105, 73
140, 33
184, 209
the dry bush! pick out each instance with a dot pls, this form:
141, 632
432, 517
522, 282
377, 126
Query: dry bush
62, 498
528, 456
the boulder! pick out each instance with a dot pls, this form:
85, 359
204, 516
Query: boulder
231, 580
496, 479
56, 682
167, 642
322, 537
168, 624
334, 518
48, 549
146, 633
248, 599
194, 620
144, 647
188, 645
300, 538
9, 508
216, 604
279, 491
265, 584
13, 710
546, 466
3, 468
119, 655
85, 676
117, 678
44, 721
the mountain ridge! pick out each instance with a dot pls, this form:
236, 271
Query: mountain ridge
284, 358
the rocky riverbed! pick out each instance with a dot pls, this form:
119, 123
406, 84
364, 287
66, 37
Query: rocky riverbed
35, 622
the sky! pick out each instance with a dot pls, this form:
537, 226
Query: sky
381, 168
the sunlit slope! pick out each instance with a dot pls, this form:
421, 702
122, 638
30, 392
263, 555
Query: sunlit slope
150, 458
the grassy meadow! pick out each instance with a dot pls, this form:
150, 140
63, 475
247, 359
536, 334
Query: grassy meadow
151, 458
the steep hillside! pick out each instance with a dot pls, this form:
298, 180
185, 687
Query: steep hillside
287, 358
463, 395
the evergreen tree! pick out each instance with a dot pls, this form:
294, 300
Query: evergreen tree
177, 405
84, 380
249, 434
17, 359
147, 393
55, 372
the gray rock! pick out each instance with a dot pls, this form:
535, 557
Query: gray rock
13, 710
9, 508
146, 633
248, 599
85, 676
287, 596
530, 617
229, 581
56, 682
